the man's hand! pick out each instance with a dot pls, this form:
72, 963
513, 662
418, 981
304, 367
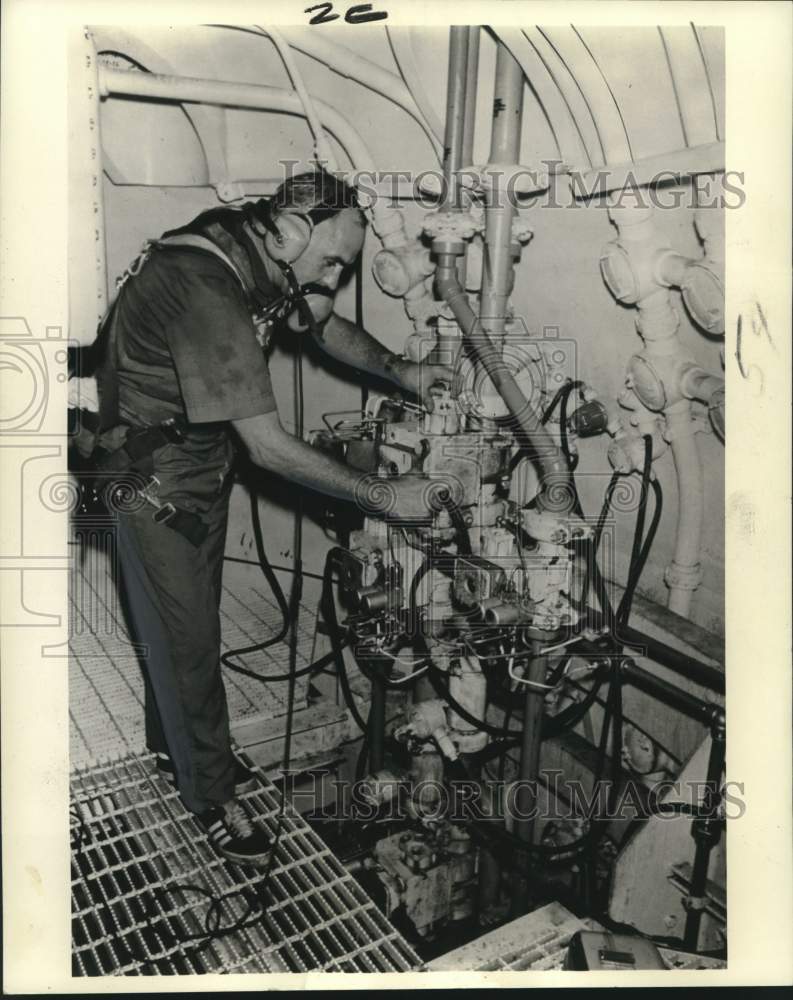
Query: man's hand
419, 379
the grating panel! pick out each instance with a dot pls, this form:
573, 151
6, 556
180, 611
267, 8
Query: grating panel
144, 877
105, 680
536, 941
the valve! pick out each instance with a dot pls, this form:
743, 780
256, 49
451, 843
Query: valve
589, 419
428, 721
399, 269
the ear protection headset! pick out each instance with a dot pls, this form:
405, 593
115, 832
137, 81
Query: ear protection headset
286, 238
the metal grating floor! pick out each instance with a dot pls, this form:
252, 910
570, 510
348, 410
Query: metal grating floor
105, 680
135, 851
536, 941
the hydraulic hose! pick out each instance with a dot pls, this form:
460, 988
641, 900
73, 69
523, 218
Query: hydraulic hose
556, 493
278, 593
329, 613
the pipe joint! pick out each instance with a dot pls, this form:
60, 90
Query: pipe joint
452, 227
635, 269
400, 269
687, 578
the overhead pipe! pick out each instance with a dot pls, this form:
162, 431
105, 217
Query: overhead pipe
705, 159
352, 66
187, 90
402, 49
592, 81
388, 223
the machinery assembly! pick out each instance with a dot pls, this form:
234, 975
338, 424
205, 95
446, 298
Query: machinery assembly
509, 707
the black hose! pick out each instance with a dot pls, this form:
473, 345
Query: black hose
624, 610
562, 393
278, 593
638, 534
572, 460
329, 613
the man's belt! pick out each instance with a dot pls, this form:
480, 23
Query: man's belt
123, 448
138, 446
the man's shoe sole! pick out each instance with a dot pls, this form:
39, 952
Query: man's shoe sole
257, 861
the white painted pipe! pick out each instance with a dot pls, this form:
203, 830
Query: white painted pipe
388, 223
402, 47
349, 64
193, 90
684, 573
570, 147
571, 49
322, 147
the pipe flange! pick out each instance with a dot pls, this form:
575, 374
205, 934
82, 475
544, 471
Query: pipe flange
617, 272
452, 225
679, 577
516, 178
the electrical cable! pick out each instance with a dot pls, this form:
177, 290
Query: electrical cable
328, 606
624, 610
278, 593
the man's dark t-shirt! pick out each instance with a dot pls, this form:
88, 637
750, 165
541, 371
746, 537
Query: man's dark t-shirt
186, 347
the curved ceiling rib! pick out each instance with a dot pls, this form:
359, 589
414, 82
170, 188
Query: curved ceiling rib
208, 123
573, 93
607, 85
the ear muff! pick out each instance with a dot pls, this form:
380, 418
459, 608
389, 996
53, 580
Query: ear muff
287, 236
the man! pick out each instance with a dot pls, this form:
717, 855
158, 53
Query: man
184, 375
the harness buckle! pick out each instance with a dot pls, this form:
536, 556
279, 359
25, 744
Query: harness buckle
172, 430
164, 513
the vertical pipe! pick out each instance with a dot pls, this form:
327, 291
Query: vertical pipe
498, 274
448, 339
455, 114
469, 125
471, 78
526, 798
685, 572
706, 833
376, 726
530, 744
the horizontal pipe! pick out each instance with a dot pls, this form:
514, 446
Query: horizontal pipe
667, 656
705, 159
645, 645
191, 90
681, 701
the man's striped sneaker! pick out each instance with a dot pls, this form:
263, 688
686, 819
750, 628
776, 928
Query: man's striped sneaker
244, 779
235, 836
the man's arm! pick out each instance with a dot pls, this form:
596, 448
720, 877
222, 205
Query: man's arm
274, 449
353, 346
